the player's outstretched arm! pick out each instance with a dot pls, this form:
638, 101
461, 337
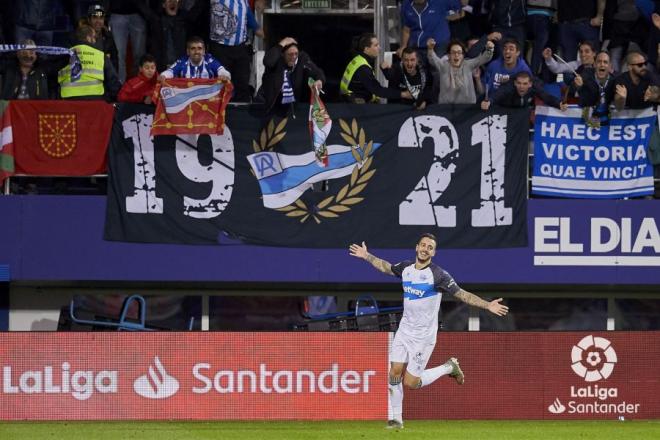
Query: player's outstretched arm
360, 251
493, 306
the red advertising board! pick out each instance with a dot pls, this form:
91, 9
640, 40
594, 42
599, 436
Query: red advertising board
241, 376
202, 376
555, 376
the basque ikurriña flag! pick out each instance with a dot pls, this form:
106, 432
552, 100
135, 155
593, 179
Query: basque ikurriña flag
319, 124
191, 106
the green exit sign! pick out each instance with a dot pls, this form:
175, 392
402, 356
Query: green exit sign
316, 4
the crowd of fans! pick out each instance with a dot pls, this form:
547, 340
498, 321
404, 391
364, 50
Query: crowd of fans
451, 51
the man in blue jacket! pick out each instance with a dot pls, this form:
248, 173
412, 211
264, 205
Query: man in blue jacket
424, 19
506, 66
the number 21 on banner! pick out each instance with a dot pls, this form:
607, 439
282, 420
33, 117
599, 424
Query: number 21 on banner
419, 207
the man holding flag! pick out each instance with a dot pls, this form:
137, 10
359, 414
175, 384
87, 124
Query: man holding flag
193, 94
196, 64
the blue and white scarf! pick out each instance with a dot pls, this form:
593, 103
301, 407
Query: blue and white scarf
74, 61
287, 90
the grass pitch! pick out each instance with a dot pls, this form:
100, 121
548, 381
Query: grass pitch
432, 430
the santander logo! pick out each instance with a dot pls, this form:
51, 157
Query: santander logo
157, 384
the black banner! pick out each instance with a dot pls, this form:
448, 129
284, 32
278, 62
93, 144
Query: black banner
393, 174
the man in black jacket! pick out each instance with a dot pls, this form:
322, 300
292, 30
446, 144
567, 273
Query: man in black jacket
285, 79
22, 78
410, 75
520, 93
168, 29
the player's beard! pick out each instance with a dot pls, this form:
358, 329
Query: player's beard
421, 260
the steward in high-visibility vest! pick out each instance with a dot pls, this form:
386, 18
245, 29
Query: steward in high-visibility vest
359, 84
98, 78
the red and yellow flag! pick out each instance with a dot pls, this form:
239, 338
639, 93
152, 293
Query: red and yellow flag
191, 106
61, 138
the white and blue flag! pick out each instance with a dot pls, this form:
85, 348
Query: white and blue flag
283, 178
176, 99
572, 159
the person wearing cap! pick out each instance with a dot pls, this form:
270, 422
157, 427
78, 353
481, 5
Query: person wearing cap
286, 75
104, 40
23, 78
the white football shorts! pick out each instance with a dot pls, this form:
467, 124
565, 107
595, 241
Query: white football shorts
413, 351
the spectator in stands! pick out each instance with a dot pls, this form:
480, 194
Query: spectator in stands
424, 19
229, 23
22, 77
626, 26
508, 18
578, 21
540, 14
507, 65
196, 64
595, 89
38, 20
168, 29
98, 79
653, 42
104, 39
456, 85
125, 21
587, 58
410, 75
358, 83
286, 75
475, 47
521, 93
630, 87
140, 88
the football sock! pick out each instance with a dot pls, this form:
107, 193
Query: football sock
396, 400
432, 374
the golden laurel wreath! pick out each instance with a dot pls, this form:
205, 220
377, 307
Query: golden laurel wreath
346, 197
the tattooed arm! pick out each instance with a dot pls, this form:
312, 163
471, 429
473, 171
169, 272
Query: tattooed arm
494, 306
360, 251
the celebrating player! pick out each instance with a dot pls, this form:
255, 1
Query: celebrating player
423, 285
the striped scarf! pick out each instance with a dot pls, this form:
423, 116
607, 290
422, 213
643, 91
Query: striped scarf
74, 62
287, 90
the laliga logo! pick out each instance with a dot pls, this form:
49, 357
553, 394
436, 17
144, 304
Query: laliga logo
157, 384
592, 350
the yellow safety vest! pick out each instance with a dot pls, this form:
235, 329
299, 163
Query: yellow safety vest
91, 76
352, 67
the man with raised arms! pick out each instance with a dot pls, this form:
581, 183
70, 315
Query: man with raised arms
423, 285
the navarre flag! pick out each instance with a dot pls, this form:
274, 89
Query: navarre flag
319, 124
191, 106
6, 142
61, 138
283, 178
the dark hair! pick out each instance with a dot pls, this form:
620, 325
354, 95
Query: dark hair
195, 39
523, 74
602, 51
408, 51
456, 42
429, 236
587, 43
364, 41
146, 58
511, 41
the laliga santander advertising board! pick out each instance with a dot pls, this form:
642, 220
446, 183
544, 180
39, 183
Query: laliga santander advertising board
241, 376
567, 375
204, 376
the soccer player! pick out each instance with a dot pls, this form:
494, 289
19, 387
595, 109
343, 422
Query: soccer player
423, 285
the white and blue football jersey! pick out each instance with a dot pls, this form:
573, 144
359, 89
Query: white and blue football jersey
422, 293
